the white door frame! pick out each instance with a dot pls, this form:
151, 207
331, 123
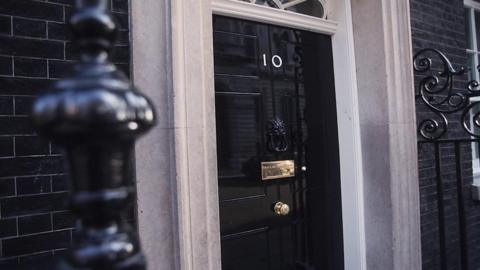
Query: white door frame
339, 27
176, 163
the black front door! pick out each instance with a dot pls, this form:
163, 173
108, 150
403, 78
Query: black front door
278, 164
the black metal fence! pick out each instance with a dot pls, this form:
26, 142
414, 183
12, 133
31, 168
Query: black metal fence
448, 151
446, 173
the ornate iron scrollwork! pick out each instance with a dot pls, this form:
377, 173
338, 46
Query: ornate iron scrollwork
437, 92
277, 141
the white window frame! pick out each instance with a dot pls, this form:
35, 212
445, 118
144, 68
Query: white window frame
292, 3
264, 14
472, 7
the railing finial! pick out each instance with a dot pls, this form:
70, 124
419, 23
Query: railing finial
96, 115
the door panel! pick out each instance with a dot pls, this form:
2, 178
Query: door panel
237, 48
253, 245
275, 101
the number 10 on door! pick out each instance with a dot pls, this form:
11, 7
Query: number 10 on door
277, 61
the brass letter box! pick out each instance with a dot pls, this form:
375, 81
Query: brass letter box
278, 169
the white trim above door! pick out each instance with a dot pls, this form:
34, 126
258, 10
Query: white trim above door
263, 14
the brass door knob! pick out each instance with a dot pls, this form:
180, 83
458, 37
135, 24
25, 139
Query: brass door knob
281, 209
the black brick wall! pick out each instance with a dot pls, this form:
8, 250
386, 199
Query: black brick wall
36, 50
440, 24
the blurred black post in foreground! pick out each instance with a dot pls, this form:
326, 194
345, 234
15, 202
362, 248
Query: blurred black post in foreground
96, 115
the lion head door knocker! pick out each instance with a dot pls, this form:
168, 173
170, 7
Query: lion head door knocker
277, 136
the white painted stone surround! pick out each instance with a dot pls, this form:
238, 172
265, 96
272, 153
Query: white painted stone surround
387, 119
176, 162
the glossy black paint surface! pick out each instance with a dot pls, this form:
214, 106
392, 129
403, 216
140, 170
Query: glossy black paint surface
249, 94
96, 115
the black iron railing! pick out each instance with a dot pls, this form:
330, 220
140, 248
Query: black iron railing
448, 111
96, 115
443, 94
